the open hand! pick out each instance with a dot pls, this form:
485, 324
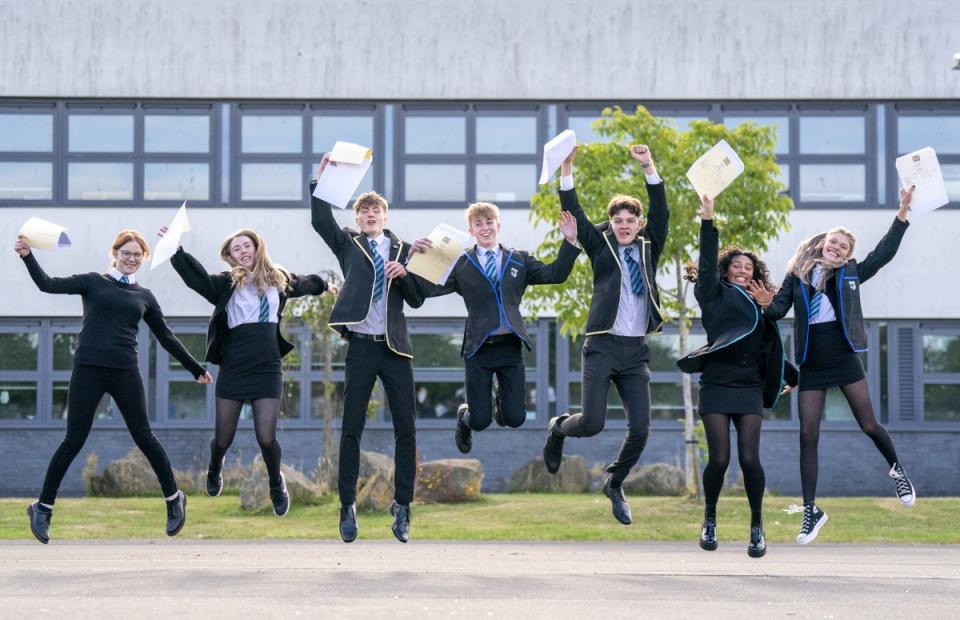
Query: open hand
568, 227
760, 292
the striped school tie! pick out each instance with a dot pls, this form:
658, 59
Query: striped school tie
815, 306
264, 308
124, 280
378, 271
490, 268
636, 280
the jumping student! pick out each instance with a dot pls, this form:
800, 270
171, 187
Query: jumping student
742, 370
492, 279
823, 288
625, 307
244, 339
106, 362
369, 314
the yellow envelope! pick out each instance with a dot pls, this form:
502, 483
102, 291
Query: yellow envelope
349, 153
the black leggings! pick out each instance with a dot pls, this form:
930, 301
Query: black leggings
748, 426
811, 409
265, 414
88, 384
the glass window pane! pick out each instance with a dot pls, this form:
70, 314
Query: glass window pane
101, 133
530, 357
917, 132
781, 123
666, 401
64, 346
665, 350
337, 350
106, 181
438, 351
196, 344
941, 402
290, 406
31, 180
951, 178
531, 401
271, 134
176, 181
271, 182
439, 400
434, 182
832, 135
18, 351
941, 353
506, 182
18, 400
327, 130
833, 183
61, 400
318, 400
836, 408
435, 134
186, 400
582, 126
176, 134
784, 175
507, 134
31, 133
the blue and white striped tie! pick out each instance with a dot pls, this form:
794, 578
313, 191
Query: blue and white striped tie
636, 279
815, 306
378, 271
490, 268
264, 308
124, 280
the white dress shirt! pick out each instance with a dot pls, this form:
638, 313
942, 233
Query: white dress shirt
116, 274
244, 305
826, 313
376, 322
498, 261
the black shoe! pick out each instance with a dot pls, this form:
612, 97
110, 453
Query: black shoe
401, 521
497, 405
813, 520
758, 543
215, 479
463, 435
621, 509
176, 514
40, 521
905, 491
280, 497
708, 535
348, 523
553, 448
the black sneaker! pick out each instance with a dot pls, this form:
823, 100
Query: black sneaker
215, 479
401, 521
905, 491
280, 497
40, 521
497, 405
618, 501
553, 448
758, 542
176, 514
463, 436
813, 520
348, 523
708, 535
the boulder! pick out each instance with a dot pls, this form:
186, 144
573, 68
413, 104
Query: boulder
129, 476
374, 479
255, 487
656, 479
533, 477
449, 480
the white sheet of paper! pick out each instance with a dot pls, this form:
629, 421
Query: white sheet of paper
44, 235
167, 246
922, 168
338, 183
715, 170
435, 263
555, 151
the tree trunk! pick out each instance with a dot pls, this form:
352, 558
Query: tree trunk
328, 390
691, 464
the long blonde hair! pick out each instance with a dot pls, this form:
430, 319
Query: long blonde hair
264, 272
809, 254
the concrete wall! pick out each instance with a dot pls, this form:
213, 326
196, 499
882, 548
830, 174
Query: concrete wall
496, 49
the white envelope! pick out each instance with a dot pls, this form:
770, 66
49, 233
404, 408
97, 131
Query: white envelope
922, 168
338, 183
555, 151
715, 170
44, 235
167, 246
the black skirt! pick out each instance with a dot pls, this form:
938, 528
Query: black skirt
251, 363
732, 379
830, 360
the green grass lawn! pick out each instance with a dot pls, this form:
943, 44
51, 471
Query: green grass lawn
498, 517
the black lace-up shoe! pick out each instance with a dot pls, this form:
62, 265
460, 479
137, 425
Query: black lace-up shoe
553, 448
348, 523
40, 521
176, 514
905, 491
708, 535
280, 497
463, 436
401, 521
813, 520
618, 501
215, 479
758, 543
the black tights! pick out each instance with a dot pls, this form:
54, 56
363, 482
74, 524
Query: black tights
265, 414
811, 409
748, 426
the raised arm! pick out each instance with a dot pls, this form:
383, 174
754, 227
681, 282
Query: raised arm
587, 234
321, 216
301, 286
194, 275
890, 243
782, 301
708, 270
158, 325
71, 285
559, 270
658, 213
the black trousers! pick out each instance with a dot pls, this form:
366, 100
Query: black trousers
623, 361
367, 360
88, 384
504, 358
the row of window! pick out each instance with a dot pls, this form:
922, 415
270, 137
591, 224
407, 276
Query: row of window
913, 369
158, 153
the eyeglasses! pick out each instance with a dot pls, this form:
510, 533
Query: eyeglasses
128, 255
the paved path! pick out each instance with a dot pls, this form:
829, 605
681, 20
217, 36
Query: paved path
372, 579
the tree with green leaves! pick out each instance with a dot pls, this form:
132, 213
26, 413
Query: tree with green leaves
752, 211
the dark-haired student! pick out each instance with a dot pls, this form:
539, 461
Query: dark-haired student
106, 362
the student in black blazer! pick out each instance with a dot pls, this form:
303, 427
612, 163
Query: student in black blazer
369, 313
823, 288
492, 279
106, 362
625, 307
742, 371
244, 339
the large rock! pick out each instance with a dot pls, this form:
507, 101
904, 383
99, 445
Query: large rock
255, 488
533, 477
374, 479
449, 480
656, 479
129, 476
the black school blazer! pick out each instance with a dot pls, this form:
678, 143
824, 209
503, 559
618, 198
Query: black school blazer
729, 314
600, 244
356, 262
842, 289
217, 288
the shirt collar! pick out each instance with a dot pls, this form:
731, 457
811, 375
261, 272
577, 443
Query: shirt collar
116, 274
379, 240
482, 251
